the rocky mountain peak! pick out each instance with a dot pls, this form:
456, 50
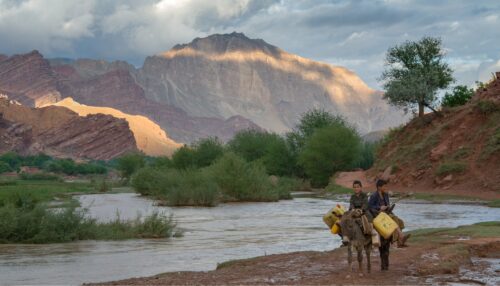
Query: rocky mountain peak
224, 43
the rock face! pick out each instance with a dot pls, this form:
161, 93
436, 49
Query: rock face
225, 75
114, 85
60, 132
150, 138
28, 79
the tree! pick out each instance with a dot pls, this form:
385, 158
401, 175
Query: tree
269, 148
308, 123
129, 164
460, 95
330, 149
414, 72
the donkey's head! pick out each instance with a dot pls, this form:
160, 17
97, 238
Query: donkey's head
350, 227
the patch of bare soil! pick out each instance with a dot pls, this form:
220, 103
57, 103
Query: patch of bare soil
411, 265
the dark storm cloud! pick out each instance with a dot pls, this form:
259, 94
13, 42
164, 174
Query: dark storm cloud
355, 34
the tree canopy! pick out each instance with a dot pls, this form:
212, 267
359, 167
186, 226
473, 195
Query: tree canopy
414, 72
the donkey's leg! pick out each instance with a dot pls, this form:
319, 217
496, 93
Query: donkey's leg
349, 256
360, 260
368, 250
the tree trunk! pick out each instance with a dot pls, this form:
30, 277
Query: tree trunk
420, 109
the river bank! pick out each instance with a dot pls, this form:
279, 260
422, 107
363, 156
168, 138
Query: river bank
458, 255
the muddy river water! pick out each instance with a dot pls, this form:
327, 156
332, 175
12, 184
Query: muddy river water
211, 236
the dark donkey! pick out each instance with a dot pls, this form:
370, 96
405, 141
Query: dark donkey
351, 227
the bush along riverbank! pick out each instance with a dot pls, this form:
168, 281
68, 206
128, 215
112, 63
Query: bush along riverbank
24, 219
228, 179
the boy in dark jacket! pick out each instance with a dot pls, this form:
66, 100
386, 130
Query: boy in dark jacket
379, 202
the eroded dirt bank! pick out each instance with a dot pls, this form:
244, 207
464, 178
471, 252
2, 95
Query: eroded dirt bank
432, 253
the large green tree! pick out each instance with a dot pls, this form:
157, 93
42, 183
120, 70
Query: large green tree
414, 72
329, 149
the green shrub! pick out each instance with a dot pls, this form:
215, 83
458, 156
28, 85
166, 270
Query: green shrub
366, 157
460, 95
39, 177
270, 149
156, 182
242, 181
286, 186
450, 167
330, 149
36, 223
184, 158
70, 167
130, 163
13, 159
5, 167
193, 188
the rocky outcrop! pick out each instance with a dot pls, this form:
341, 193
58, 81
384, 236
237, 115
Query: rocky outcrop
60, 132
150, 138
28, 79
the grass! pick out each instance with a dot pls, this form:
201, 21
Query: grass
494, 204
440, 197
333, 188
45, 191
492, 145
478, 230
450, 167
39, 177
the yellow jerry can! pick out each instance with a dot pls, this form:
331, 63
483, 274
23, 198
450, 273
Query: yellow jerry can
384, 225
335, 228
331, 217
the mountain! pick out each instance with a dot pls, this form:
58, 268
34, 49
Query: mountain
225, 75
150, 138
60, 132
213, 86
456, 152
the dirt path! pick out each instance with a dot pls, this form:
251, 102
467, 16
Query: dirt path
412, 265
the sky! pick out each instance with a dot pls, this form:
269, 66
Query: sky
353, 34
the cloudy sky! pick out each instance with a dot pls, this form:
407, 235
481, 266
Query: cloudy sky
354, 34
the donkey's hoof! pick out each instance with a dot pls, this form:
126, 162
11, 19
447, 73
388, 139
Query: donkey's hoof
360, 274
348, 276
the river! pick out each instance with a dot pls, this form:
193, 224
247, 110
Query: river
211, 236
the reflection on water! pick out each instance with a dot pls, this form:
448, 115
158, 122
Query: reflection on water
211, 236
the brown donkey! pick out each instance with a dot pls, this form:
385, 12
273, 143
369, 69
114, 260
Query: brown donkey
351, 227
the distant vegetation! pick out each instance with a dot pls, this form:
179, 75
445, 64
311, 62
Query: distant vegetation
253, 166
12, 161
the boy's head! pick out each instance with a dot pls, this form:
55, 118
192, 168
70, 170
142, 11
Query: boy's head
356, 185
381, 185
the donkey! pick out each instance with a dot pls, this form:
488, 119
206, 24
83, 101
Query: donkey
351, 227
